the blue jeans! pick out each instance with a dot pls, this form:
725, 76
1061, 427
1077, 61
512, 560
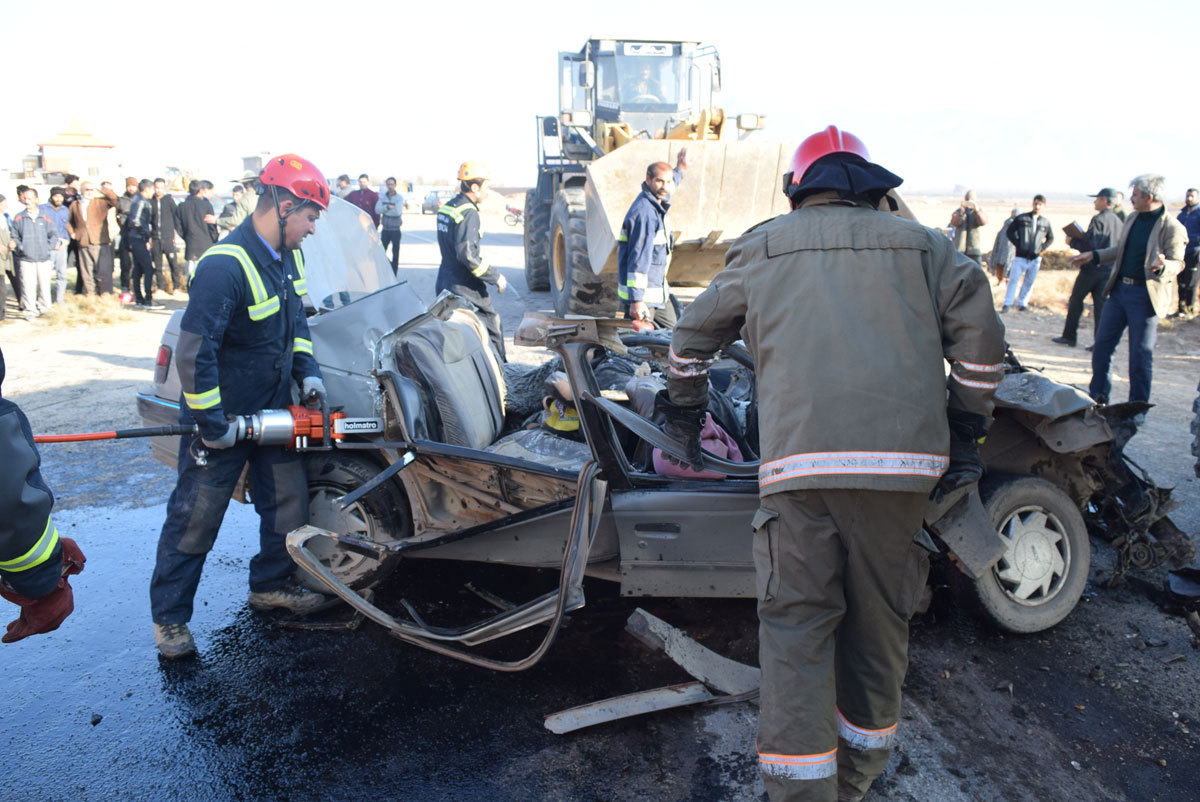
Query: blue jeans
1029, 269
1128, 306
59, 260
197, 507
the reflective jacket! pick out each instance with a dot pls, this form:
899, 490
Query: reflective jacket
850, 314
244, 336
644, 250
459, 234
30, 554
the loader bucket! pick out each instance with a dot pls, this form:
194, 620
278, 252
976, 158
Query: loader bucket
728, 187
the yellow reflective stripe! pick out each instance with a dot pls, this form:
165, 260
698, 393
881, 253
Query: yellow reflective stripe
37, 555
205, 400
265, 309
263, 306
301, 284
302, 346
622, 292
483, 268
452, 212
622, 238
638, 280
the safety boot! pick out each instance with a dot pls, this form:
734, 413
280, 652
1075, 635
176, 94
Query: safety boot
289, 597
174, 640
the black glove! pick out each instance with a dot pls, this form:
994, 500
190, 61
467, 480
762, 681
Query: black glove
967, 433
682, 424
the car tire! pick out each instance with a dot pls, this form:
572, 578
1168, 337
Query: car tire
576, 289
1039, 580
382, 516
537, 248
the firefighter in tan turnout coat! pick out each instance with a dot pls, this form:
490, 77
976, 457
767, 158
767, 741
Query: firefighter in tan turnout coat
849, 312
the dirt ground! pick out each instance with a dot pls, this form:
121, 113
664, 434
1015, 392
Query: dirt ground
1101, 707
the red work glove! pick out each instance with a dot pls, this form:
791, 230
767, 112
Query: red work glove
48, 612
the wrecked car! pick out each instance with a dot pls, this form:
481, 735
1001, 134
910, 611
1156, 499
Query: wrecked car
444, 453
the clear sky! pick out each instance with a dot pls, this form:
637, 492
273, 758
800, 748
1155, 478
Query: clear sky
1012, 96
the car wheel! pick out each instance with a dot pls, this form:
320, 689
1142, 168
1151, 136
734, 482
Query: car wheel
381, 516
1041, 576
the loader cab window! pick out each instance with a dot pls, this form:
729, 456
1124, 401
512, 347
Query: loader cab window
653, 83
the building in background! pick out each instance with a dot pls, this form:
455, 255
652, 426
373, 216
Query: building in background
77, 151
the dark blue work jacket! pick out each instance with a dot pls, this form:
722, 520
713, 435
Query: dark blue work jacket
458, 236
644, 250
244, 337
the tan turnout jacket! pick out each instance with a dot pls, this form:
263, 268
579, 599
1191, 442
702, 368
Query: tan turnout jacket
849, 313
1167, 237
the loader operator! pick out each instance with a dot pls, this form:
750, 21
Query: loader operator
34, 561
243, 341
644, 247
849, 312
463, 270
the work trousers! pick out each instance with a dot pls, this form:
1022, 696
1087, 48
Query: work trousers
838, 577
35, 287
197, 507
89, 255
663, 317
58, 259
1129, 307
1023, 272
125, 257
390, 237
175, 280
1188, 281
143, 272
1090, 281
487, 315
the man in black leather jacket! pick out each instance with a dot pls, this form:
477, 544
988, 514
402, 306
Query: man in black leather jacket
1030, 234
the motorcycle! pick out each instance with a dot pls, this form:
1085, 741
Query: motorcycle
515, 216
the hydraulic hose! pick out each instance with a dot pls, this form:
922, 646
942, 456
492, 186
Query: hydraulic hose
118, 434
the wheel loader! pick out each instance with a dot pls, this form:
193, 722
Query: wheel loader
624, 104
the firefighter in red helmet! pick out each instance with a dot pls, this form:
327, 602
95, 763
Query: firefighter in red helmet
850, 312
243, 344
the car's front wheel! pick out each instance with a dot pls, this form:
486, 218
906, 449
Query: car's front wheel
381, 516
1041, 576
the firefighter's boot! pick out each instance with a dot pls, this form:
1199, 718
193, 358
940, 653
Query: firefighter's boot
292, 598
174, 640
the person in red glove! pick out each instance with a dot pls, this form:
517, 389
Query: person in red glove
34, 561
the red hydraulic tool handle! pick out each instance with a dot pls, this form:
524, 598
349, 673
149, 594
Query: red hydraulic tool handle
118, 434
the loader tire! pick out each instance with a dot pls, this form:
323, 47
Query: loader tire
537, 243
382, 516
576, 289
1039, 580
1196, 430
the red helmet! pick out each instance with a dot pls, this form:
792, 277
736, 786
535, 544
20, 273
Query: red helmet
823, 143
298, 176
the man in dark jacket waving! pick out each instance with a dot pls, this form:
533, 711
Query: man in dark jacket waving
464, 271
644, 247
243, 342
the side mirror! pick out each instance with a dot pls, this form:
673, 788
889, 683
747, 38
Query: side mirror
587, 74
751, 122
577, 118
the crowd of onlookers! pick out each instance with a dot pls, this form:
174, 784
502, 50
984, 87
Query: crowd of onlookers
127, 243
132, 243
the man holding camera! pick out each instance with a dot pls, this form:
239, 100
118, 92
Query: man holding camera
967, 221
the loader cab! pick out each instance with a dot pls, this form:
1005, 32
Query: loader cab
647, 86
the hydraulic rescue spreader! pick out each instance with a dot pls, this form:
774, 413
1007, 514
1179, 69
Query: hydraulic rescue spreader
294, 427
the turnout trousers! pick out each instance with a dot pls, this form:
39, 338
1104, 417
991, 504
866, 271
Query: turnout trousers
197, 506
487, 314
838, 577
